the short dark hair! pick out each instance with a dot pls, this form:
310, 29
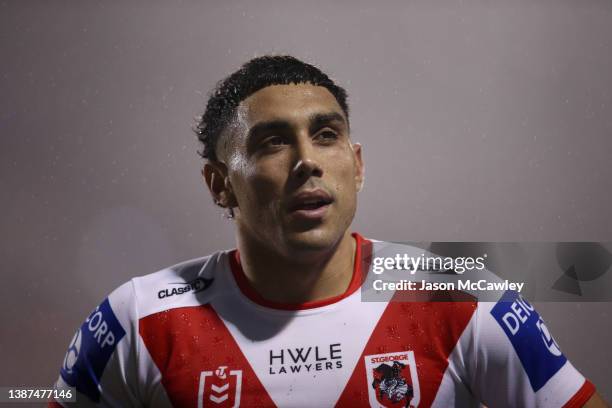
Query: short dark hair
254, 75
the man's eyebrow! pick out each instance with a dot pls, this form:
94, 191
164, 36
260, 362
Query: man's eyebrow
269, 126
319, 120
316, 121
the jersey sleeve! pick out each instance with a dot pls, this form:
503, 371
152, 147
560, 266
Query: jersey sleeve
516, 361
101, 360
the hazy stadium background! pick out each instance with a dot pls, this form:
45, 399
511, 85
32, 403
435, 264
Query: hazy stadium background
481, 121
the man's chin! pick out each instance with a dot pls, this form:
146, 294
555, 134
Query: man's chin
312, 240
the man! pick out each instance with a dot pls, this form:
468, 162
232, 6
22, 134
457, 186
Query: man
279, 321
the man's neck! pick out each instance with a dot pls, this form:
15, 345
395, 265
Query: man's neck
293, 280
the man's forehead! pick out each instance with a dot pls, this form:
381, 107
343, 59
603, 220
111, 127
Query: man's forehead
294, 102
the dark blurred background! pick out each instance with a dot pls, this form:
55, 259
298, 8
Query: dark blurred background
481, 121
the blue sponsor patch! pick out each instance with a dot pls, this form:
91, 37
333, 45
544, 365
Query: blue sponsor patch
533, 343
90, 349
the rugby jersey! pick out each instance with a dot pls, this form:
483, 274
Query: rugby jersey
198, 335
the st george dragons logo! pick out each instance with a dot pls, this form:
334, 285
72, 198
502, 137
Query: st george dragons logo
392, 380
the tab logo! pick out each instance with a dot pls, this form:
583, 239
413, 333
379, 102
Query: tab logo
537, 350
91, 349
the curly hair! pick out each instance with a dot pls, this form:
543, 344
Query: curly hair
254, 75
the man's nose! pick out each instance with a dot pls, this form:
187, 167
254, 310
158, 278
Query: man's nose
306, 163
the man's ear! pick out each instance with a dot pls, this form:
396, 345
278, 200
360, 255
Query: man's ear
359, 166
217, 181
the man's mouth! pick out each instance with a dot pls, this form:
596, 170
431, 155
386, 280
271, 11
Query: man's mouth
312, 204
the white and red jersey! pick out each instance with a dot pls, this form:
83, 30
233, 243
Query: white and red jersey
197, 335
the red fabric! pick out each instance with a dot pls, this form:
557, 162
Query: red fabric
582, 396
175, 340
429, 329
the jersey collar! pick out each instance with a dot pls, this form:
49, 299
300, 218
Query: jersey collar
363, 256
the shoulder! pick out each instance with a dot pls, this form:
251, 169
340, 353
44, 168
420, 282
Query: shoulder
188, 283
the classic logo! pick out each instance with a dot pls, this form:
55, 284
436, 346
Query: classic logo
392, 379
220, 388
179, 288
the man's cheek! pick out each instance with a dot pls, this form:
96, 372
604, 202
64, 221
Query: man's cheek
263, 186
348, 183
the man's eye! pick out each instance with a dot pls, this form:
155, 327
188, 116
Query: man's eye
327, 136
274, 141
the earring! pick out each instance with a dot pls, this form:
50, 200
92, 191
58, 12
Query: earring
229, 213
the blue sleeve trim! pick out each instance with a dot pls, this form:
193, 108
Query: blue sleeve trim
538, 352
90, 350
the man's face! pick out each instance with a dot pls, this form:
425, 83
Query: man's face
293, 171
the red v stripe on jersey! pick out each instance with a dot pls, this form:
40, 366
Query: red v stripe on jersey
429, 329
175, 341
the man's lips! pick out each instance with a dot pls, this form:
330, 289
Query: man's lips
311, 204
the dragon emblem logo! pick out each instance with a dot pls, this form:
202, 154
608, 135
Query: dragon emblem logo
393, 380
